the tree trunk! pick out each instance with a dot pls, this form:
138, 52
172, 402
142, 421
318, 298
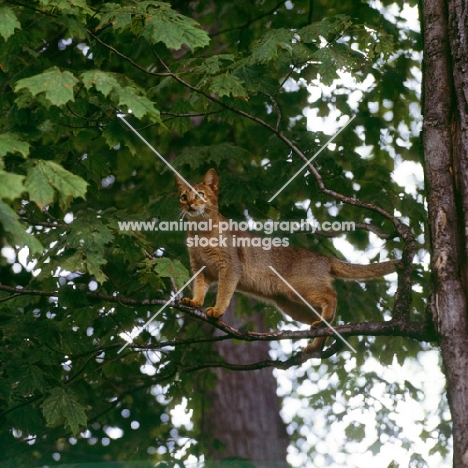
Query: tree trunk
445, 141
242, 420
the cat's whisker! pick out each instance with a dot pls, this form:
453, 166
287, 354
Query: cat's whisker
174, 214
208, 210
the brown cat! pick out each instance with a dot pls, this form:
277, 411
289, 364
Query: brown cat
238, 266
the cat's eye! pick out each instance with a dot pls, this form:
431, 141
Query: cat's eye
200, 194
183, 198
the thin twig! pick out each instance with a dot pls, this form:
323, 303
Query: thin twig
125, 57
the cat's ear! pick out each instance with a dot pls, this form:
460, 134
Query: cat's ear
181, 185
211, 179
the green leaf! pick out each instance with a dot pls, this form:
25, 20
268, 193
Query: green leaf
11, 185
61, 408
29, 419
345, 58
180, 124
70, 296
57, 85
153, 270
10, 143
254, 77
32, 379
112, 134
102, 81
267, 49
328, 67
168, 268
213, 65
120, 17
90, 236
326, 29
94, 261
38, 186
356, 431
228, 85
68, 185
72, 7
73, 262
376, 447
161, 23
173, 29
197, 156
18, 235
139, 105
5, 390
8, 22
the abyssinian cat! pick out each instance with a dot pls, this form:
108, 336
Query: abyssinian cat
247, 268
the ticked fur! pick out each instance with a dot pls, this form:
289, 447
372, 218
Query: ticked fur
247, 269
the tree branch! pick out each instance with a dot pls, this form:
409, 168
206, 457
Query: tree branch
44, 223
420, 331
251, 21
125, 57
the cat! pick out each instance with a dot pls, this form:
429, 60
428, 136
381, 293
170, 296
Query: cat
247, 269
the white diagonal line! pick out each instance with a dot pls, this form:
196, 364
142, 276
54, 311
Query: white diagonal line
313, 310
311, 159
156, 152
162, 308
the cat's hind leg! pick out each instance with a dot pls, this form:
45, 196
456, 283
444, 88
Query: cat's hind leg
322, 306
327, 303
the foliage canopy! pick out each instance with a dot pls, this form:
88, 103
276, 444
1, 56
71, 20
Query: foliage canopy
209, 84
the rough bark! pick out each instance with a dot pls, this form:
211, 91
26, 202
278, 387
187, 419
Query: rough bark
445, 141
243, 417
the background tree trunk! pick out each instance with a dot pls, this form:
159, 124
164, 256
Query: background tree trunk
243, 418
445, 140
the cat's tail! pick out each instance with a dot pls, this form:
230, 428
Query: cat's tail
353, 271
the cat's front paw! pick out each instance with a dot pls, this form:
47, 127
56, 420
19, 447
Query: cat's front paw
191, 302
213, 312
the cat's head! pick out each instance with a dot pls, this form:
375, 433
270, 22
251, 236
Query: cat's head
203, 202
